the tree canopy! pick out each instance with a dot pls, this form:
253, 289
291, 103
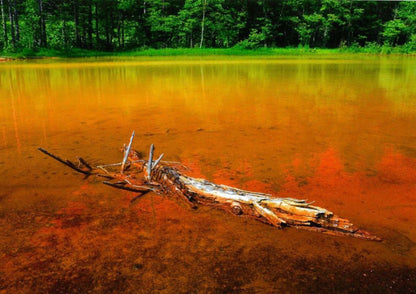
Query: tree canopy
126, 24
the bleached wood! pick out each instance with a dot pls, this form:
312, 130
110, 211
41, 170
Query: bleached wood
126, 153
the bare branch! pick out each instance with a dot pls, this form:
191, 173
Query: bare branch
67, 162
126, 153
158, 160
149, 164
122, 187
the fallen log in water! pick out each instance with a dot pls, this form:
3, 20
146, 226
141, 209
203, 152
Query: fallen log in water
142, 176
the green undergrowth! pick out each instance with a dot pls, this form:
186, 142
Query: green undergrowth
290, 51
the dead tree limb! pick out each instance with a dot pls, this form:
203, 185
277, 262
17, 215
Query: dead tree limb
158, 176
66, 162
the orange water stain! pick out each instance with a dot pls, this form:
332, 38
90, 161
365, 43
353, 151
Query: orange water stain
336, 132
257, 186
226, 177
387, 198
396, 168
291, 188
73, 208
192, 167
3, 129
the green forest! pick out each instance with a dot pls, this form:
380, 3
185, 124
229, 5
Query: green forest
120, 25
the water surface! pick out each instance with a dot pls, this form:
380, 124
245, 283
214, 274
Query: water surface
339, 131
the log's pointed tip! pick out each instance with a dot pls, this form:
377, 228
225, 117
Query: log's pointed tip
367, 236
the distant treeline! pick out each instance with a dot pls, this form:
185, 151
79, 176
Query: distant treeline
127, 24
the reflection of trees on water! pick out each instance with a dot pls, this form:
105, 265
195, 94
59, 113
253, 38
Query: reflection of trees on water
293, 107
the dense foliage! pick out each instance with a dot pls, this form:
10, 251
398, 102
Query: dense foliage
125, 24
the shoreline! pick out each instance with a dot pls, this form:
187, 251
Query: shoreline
196, 52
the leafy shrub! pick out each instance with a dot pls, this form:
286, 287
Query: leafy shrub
254, 40
410, 46
372, 47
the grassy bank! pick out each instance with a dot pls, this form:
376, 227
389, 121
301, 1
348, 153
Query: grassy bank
291, 51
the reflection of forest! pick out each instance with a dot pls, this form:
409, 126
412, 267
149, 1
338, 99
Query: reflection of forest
301, 106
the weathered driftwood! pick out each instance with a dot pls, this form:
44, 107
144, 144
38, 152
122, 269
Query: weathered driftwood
143, 176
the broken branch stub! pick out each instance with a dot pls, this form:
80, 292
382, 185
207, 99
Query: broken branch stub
126, 153
150, 162
157, 160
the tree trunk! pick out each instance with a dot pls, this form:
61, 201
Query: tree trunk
76, 22
90, 29
3, 19
64, 34
119, 33
16, 21
350, 31
97, 31
107, 37
42, 25
161, 177
204, 7
122, 34
11, 18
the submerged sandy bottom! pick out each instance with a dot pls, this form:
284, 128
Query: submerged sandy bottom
336, 132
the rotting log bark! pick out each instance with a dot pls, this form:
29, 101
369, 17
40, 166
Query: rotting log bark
164, 177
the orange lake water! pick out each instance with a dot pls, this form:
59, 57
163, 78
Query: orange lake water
337, 131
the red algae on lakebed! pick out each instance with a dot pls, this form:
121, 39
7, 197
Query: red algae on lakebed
337, 133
